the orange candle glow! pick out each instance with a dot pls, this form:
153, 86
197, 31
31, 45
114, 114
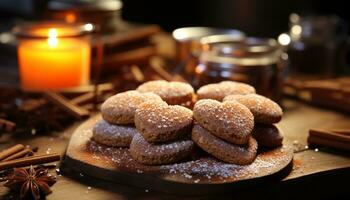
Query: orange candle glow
53, 62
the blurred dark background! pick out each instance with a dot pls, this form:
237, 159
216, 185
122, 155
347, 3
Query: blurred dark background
255, 17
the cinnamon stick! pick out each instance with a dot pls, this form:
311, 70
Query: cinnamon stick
88, 88
330, 135
20, 154
10, 151
7, 125
137, 73
32, 104
342, 131
157, 66
65, 104
84, 98
134, 56
33, 160
315, 140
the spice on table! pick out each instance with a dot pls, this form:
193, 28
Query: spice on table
19, 154
339, 139
65, 104
330, 93
7, 125
32, 160
137, 73
32, 104
30, 182
103, 87
10, 151
157, 66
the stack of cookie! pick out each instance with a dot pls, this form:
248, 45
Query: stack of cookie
153, 121
224, 130
266, 112
163, 127
164, 131
232, 130
116, 128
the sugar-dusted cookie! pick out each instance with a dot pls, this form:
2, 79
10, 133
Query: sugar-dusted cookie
157, 154
113, 135
174, 93
264, 109
222, 150
267, 135
120, 108
159, 122
220, 90
230, 120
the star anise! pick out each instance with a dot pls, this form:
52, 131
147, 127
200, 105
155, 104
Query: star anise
31, 182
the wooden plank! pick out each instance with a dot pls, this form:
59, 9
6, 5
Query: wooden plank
95, 160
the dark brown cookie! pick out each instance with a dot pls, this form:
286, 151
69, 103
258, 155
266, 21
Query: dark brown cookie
230, 120
120, 108
113, 135
159, 122
264, 109
220, 90
174, 93
267, 135
240, 155
158, 154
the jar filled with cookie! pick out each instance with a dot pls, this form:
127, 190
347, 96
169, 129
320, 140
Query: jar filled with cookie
256, 61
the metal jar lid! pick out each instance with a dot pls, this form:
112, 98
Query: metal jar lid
197, 33
188, 39
209, 42
251, 52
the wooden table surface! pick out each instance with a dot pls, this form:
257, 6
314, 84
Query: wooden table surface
325, 169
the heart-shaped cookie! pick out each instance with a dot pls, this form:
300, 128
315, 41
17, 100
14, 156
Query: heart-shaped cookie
159, 122
120, 108
230, 120
218, 91
264, 109
174, 93
160, 153
267, 135
222, 150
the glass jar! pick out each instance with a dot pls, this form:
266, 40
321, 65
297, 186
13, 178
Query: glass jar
318, 45
189, 45
256, 61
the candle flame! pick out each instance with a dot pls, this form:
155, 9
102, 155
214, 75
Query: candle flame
52, 40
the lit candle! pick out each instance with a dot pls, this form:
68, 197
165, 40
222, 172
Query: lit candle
53, 62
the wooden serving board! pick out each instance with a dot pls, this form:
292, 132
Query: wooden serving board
201, 176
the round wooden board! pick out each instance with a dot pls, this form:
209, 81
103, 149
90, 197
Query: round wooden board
204, 175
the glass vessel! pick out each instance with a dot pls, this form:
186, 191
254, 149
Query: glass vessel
256, 61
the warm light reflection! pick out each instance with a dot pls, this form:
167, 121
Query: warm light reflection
52, 40
52, 32
294, 18
200, 69
88, 27
284, 39
70, 18
296, 30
